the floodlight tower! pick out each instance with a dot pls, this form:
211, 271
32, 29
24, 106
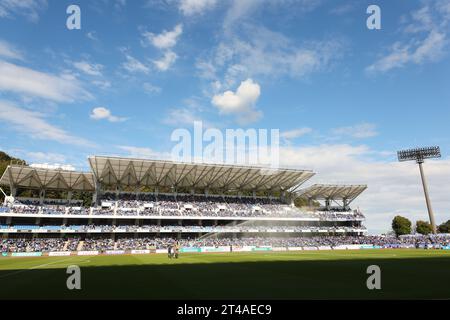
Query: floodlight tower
419, 155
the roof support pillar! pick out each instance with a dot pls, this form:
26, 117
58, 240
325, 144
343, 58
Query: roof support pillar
290, 201
69, 196
13, 190
345, 203
97, 193
95, 197
137, 191
41, 196
327, 203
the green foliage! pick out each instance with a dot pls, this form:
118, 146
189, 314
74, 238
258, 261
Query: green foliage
303, 202
401, 225
4, 156
423, 227
445, 227
5, 161
85, 196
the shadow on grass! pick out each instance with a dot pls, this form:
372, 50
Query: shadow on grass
342, 279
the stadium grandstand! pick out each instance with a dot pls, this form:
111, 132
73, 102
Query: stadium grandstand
141, 205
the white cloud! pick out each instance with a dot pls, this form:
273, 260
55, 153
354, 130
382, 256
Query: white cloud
150, 88
422, 20
295, 133
103, 84
430, 49
119, 4
192, 7
60, 88
102, 113
92, 35
393, 187
31, 9
9, 52
206, 69
146, 153
166, 39
240, 11
427, 41
259, 52
166, 61
359, 131
58, 166
35, 126
91, 69
181, 116
398, 56
135, 66
46, 156
242, 102
343, 9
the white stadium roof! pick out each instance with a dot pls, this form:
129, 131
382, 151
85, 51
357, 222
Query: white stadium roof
143, 172
332, 192
134, 173
20, 176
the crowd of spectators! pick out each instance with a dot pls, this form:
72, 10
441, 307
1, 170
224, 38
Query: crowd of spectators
89, 228
135, 243
72, 244
78, 211
328, 241
32, 245
98, 244
103, 244
189, 205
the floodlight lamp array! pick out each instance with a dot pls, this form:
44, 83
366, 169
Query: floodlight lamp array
419, 154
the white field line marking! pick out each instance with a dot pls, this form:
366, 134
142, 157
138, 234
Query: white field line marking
35, 267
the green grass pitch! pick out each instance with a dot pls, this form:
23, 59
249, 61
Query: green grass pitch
405, 274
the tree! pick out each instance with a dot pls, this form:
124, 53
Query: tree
401, 225
444, 227
6, 160
423, 227
303, 202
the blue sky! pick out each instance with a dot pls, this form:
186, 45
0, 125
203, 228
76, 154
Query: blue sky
344, 97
